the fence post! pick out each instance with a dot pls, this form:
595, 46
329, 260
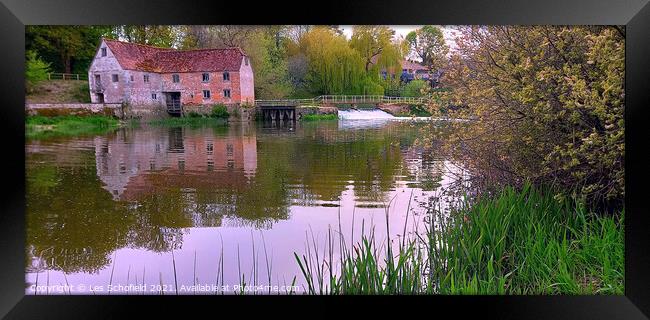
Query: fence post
77, 76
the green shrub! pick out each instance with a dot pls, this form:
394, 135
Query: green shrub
82, 93
414, 88
194, 114
36, 70
372, 88
219, 111
317, 117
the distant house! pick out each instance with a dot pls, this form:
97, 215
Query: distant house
412, 70
145, 75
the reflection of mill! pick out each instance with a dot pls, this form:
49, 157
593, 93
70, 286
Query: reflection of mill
279, 113
177, 157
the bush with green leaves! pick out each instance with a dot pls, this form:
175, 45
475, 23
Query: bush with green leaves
414, 88
219, 111
35, 69
549, 103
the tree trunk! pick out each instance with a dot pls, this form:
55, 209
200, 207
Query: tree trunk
67, 63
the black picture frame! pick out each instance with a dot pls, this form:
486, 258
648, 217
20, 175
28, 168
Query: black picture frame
634, 14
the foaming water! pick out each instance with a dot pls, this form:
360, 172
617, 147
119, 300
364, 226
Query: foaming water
364, 114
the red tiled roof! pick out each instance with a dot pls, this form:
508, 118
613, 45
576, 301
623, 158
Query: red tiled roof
406, 64
133, 56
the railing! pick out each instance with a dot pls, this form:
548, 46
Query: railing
66, 76
334, 99
285, 102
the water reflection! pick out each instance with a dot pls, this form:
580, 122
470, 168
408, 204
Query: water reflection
137, 194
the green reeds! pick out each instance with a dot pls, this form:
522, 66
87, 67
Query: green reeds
319, 117
517, 242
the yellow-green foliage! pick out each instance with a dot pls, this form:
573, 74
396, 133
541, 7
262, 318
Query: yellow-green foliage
549, 103
334, 67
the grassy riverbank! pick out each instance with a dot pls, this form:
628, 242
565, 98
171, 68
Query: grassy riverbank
518, 242
319, 117
40, 126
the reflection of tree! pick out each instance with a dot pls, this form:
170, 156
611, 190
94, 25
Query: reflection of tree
322, 160
74, 227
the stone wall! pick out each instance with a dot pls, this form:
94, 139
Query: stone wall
395, 109
75, 109
237, 113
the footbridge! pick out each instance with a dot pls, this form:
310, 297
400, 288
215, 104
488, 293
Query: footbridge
285, 109
337, 100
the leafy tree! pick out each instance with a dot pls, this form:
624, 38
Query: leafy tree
376, 42
428, 44
155, 35
334, 67
35, 68
548, 102
67, 48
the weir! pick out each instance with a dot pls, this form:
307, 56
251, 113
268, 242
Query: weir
279, 113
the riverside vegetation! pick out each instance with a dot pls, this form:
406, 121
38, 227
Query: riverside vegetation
516, 242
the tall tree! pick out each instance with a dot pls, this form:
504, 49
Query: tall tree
154, 35
376, 46
428, 44
334, 67
67, 48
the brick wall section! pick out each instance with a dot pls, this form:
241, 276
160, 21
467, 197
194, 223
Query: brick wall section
191, 87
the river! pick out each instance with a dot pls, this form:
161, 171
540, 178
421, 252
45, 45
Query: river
155, 208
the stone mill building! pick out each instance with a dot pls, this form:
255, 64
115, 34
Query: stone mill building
151, 77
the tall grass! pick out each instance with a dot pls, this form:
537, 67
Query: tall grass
319, 117
517, 242
41, 126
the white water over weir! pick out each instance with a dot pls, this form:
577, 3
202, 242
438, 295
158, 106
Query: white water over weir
364, 114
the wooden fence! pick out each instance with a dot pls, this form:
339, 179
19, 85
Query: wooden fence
66, 76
